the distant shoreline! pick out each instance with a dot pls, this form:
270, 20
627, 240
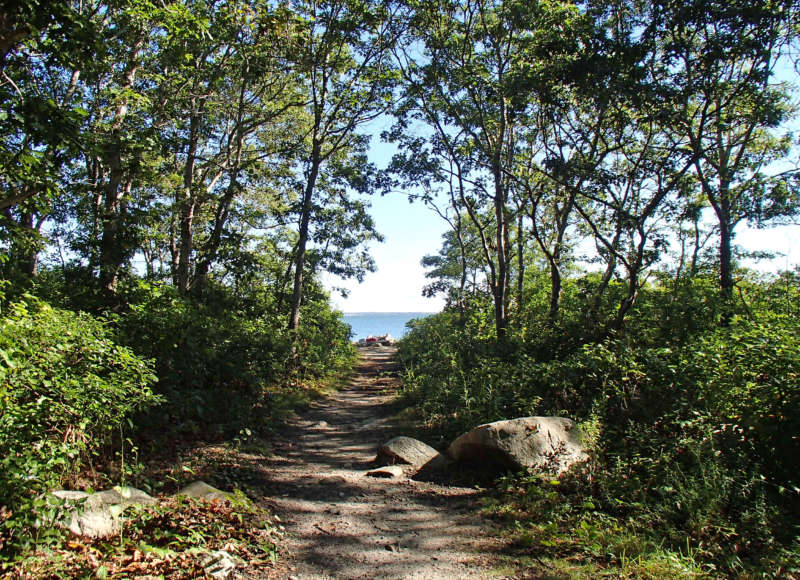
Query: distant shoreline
366, 324
390, 312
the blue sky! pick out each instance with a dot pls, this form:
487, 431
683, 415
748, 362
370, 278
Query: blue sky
413, 230
410, 231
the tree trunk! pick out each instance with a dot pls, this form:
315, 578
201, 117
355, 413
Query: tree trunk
112, 253
725, 271
596, 298
173, 250
520, 262
634, 269
211, 248
500, 289
185, 244
305, 219
561, 222
722, 208
693, 268
555, 289
186, 203
23, 251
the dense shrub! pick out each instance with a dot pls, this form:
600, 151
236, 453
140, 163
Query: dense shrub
66, 388
74, 385
211, 359
223, 360
695, 426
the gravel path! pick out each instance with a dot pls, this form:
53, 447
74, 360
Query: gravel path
342, 524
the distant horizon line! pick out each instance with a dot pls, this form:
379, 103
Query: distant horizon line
392, 312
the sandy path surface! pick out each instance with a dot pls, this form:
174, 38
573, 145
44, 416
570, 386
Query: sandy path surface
343, 524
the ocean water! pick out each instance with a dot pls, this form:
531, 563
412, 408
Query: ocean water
366, 324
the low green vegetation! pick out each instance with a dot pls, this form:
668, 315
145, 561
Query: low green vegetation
90, 400
692, 426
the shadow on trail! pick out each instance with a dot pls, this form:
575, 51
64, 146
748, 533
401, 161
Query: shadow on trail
343, 524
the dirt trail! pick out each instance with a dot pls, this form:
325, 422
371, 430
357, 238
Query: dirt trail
342, 524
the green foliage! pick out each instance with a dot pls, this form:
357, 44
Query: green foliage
558, 518
66, 388
225, 361
324, 340
211, 358
72, 396
693, 426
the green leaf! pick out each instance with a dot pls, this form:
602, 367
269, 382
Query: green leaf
10, 363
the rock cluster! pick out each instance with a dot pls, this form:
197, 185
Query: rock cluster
100, 515
548, 444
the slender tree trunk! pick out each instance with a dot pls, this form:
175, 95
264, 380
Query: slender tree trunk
282, 282
186, 243
148, 261
186, 203
97, 212
626, 304
173, 249
305, 219
462, 283
693, 267
462, 250
555, 288
554, 253
459, 232
725, 265
112, 252
212, 246
500, 289
634, 270
24, 252
595, 300
520, 261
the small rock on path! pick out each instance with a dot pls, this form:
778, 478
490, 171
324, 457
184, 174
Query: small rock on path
343, 524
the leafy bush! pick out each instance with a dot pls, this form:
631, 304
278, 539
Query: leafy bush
225, 361
324, 346
66, 388
210, 360
695, 424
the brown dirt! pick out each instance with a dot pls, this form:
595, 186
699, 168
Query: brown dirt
343, 524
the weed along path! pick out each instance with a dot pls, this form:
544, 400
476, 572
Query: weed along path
344, 524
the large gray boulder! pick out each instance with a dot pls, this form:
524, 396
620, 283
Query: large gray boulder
406, 450
98, 515
549, 444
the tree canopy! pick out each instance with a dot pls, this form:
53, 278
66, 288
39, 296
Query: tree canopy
177, 175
